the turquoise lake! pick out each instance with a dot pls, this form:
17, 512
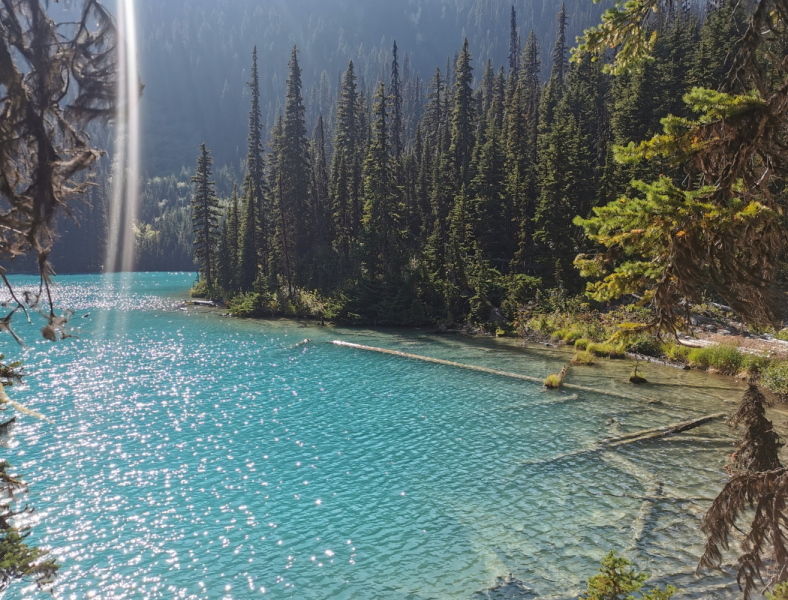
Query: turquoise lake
194, 455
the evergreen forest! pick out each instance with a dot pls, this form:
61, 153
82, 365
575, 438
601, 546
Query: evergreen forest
450, 205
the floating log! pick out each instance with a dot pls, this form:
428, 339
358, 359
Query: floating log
301, 343
208, 303
568, 386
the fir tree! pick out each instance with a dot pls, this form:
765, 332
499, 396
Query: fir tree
205, 216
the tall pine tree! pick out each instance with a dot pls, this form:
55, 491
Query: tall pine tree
205, 216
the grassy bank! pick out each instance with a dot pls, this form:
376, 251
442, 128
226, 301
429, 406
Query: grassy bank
616, 333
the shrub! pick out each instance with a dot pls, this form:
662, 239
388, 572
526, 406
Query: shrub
780, 592
782, 335
583, 358
201, 290
249, 305
553, 382
775, 377
581, 344
754, 364
558, 335
616, 581
571, 336
675, 352
726, 359
645, 344
606, 350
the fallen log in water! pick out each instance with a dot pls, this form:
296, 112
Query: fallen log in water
647, 434
568, 386
631, 438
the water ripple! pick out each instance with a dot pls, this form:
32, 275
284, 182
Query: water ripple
201, 457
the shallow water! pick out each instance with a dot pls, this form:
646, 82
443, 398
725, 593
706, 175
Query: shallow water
200, 456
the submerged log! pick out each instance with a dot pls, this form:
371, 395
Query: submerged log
647, 434
631, 438
568, 386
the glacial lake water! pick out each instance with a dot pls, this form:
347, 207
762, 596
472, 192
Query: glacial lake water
198, 456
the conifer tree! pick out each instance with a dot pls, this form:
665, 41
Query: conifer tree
433, 115
345, 184
381, 213
514, 46
486, 89
253, 251
293, 235
227, 256
247, 252
555, 86
527, 173
223, 273
233, 238
463, 119
492, 217
205, 216
396, 107
321, 209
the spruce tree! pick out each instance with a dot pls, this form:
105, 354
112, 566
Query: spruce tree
463, 119
205, 216
531, 91
345, 184
293, 238
555, 86
514, 45
433, 115
492, 216
321, 209
233, 238
253, 251
381, 213
247, 251
223, 269
396, 107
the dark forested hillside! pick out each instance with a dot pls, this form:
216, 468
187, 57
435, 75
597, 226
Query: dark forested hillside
194, 57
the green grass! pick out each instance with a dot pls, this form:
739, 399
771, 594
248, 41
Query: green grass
581, 344
558, 335
606, 350
675, 352
775, 377
552, 382
725, 359
754, 364
583, 358
571, 336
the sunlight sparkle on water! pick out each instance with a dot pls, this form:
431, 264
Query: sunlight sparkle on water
172, 469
